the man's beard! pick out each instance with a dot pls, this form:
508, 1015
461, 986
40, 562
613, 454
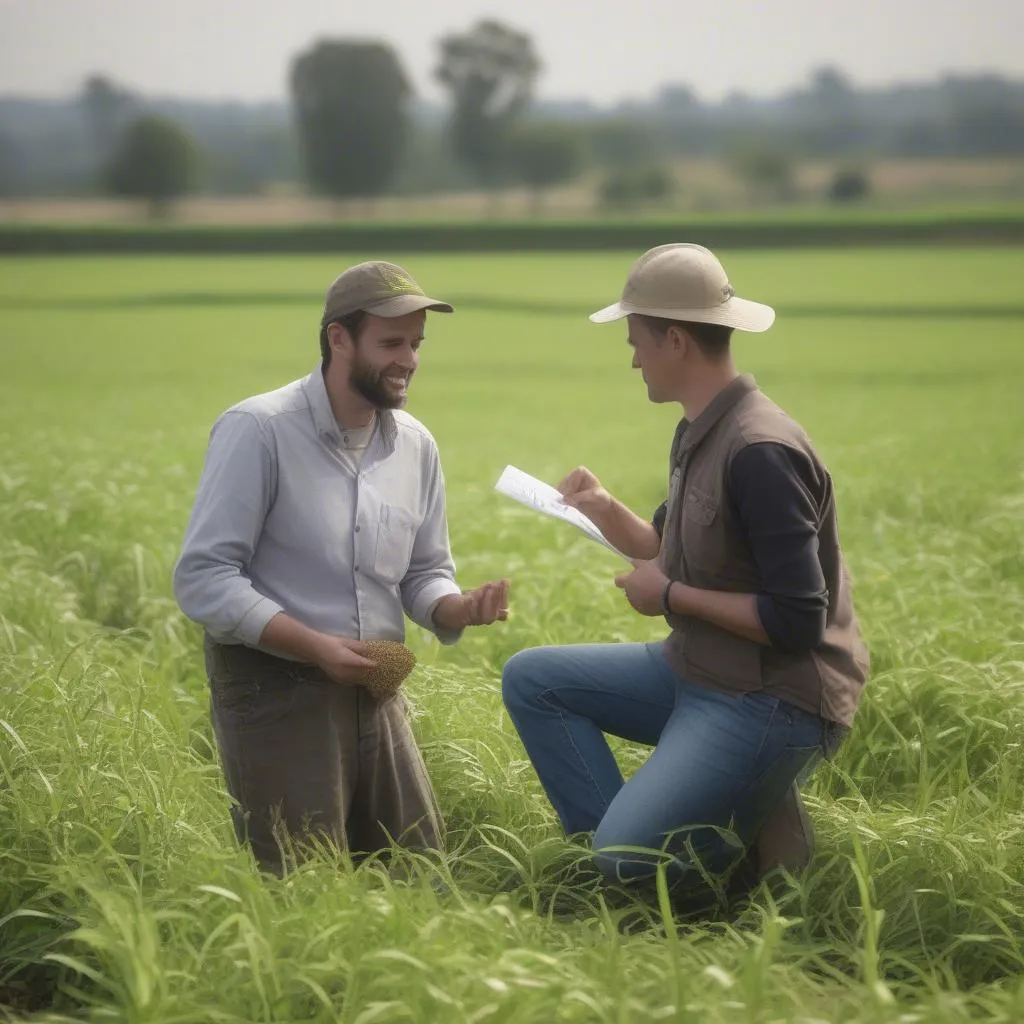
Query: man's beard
369, 383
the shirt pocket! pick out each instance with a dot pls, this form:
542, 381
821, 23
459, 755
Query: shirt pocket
396, 532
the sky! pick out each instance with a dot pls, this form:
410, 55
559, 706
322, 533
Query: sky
602, 50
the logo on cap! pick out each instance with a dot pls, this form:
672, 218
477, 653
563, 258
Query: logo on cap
398, 284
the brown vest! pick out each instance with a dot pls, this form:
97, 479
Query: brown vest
705, 547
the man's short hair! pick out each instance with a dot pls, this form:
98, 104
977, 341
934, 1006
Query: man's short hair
712, 339
352, 322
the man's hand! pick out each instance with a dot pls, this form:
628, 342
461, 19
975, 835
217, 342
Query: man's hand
480, 607
342, 659
582, 490
644, 587
633, 536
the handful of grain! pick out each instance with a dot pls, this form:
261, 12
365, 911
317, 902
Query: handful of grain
394, 662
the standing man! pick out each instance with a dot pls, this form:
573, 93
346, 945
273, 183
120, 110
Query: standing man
764, 665
320, 519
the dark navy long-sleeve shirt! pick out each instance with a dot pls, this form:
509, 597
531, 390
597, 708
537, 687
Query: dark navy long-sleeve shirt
771, 487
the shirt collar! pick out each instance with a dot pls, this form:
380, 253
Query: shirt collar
326, 425
689, 435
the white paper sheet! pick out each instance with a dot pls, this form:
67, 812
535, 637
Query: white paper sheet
542, 497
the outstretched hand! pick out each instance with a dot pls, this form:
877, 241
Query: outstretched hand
483, 606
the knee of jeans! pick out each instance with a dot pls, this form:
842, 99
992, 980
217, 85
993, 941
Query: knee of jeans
630, 866
520, 680
625, 858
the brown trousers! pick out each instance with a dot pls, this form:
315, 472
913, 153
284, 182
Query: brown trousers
304, 756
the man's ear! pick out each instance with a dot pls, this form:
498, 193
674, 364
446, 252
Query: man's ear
679, 339
339, 338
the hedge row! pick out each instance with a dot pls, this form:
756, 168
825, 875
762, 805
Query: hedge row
512, 236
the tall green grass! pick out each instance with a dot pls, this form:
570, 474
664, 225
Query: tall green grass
122, 893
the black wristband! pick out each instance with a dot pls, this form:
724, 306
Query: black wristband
666, 608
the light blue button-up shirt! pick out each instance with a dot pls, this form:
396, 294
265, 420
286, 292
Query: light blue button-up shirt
282, 522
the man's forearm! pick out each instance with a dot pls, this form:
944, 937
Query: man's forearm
735, 612
625, 530
286, 634
449, 613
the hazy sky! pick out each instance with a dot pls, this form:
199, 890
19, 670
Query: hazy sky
603, 50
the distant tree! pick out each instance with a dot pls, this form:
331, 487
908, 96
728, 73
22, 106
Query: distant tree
656, 183
10, 166
633, 186
917, 136
108, 108
248, 159
849, 184
984, 114
489, 72
767, 169
154, 160
429, 166
830, 88
677, 100
544, 154
623, 142
835, 125
351, 110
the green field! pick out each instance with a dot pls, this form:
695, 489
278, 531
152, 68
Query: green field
122, 896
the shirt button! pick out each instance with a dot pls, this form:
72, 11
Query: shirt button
357, 568
357, 527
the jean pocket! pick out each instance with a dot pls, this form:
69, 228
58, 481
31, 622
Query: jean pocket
249, 689
395, 534
234, 696
249, 704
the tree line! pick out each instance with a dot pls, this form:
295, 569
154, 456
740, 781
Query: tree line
352, 122
355, 128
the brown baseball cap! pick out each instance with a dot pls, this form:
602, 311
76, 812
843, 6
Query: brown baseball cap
380, 288
685, 281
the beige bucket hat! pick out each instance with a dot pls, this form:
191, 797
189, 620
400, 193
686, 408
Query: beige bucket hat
685, 281
380, 288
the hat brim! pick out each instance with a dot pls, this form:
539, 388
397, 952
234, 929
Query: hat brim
400, 305
740, 314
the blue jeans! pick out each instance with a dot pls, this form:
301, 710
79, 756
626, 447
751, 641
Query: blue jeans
720, 765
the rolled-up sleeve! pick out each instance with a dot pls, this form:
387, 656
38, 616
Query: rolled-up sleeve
235, 490
431, 573
773, 491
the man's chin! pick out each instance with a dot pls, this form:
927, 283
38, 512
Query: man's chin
383, 401
394, 399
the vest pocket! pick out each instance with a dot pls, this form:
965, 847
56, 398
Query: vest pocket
700, 506
396, 532
704, 540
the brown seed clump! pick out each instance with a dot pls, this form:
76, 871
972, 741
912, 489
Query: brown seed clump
394, 663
